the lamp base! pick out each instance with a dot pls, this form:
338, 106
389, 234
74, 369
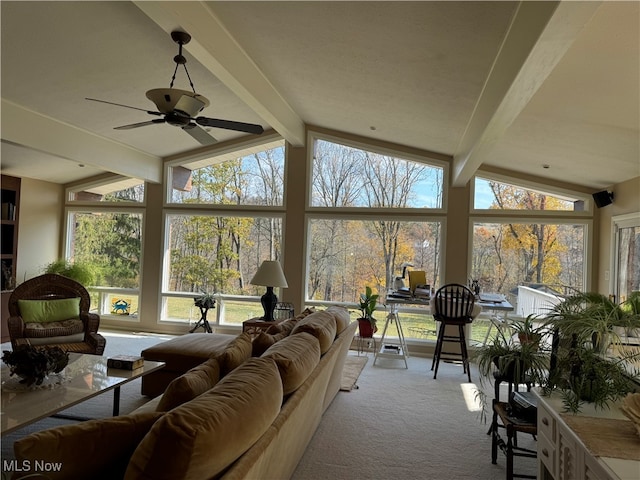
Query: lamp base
268, 301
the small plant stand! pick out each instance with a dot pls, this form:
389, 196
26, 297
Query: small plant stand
203, 322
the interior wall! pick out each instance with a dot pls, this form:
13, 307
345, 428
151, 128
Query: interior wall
626, 200
40, 227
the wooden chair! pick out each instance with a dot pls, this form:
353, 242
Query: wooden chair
78, 335
504, 418
453, 306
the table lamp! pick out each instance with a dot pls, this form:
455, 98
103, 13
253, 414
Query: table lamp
269, 275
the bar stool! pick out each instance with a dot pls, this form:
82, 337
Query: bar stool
453, 306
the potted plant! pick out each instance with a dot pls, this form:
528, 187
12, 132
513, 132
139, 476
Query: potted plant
583, 374
595, 318
529, 330
33, 365
204, 302
506, 359
587, 324
366, 322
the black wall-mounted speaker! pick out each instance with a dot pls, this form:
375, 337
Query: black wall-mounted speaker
603, 198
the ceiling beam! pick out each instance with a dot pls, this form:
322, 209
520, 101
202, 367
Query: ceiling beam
215, 48
538, 37
41, 133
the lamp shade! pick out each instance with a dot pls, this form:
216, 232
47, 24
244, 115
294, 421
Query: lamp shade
270, 274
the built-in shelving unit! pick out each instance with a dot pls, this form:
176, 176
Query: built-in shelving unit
9, 213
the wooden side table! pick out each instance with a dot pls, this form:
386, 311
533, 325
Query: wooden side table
254, 326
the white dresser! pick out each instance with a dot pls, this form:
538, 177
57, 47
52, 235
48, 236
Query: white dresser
562, 454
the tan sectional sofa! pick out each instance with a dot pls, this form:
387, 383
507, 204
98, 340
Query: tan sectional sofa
252, 422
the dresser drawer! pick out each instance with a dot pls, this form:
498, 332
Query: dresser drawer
546, 424
547, 453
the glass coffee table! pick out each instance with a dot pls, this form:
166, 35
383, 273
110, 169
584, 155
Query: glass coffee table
83, 378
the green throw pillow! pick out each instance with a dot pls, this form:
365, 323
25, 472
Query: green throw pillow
49, 310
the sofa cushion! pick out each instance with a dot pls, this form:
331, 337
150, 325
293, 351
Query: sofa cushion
189, 385
53, 329
96, 449
341, 316
296, 357
265, 340
287, 325
321, 325
200, 439
234, 354
49, 310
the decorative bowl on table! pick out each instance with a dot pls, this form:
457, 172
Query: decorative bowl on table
631, 409
33, 365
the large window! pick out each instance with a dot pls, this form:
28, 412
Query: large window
534, 251
496, 195
217, 254
626, 255
345, 256
110, 243
226, 218
380, 210
345, 176
253, 177
509, 254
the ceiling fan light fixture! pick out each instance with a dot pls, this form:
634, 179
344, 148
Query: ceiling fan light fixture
165, 100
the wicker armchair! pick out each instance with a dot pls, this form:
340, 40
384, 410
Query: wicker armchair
78, 335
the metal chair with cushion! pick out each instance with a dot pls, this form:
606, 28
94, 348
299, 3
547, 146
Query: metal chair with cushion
54, 310
453, 305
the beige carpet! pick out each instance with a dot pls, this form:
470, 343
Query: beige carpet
353, 365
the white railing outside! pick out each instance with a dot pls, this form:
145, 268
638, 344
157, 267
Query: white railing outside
534, 302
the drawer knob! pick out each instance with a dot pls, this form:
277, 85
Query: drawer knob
545, 452
545, 421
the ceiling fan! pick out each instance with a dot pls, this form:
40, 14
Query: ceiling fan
180, 107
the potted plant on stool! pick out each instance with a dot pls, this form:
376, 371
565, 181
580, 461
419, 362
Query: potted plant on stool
204, 302
366, 323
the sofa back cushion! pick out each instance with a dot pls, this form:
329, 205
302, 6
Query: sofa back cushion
49, 310
296, 357
189, 385
200, 439
96, 449
341, 317
321, 325
234, 354
264, 340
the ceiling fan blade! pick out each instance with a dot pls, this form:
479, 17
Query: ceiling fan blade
140, 124
150, 112
199, 134
230, 125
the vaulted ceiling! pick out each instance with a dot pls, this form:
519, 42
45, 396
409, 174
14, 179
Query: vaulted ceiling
514, 85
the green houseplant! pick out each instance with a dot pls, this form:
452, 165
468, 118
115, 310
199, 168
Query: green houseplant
595, 318
79, 271
585, 370
366, 322
505, 358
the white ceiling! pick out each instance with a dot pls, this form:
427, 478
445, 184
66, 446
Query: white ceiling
504, 84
